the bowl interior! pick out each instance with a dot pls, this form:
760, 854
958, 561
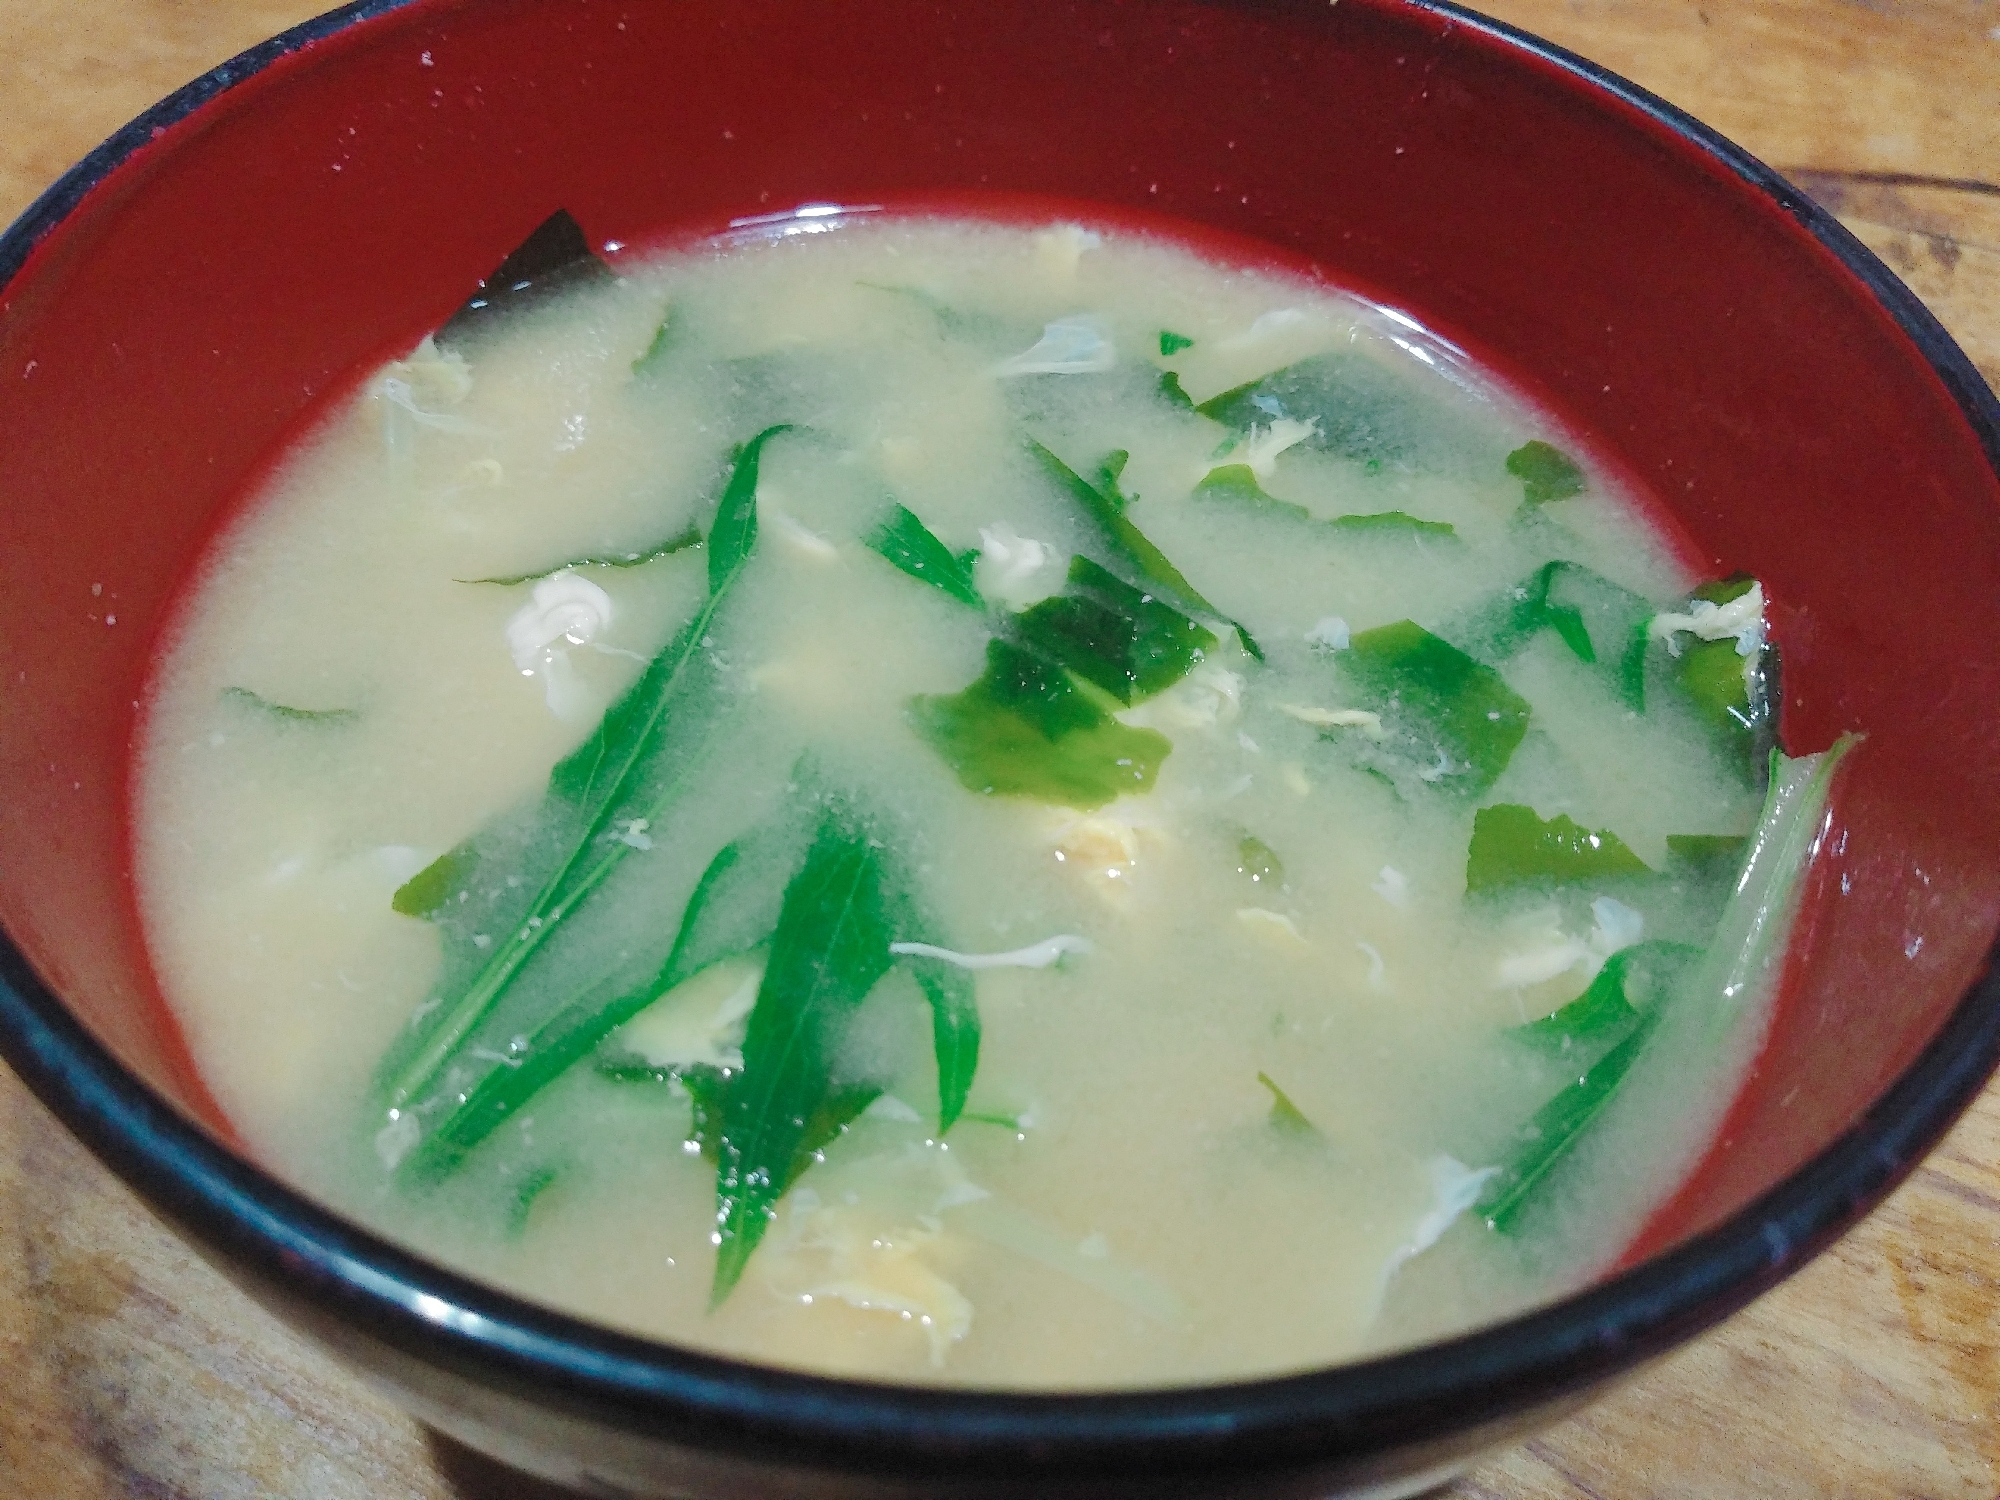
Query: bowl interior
162, 341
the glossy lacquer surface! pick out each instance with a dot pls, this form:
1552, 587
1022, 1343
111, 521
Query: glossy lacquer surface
1700, 321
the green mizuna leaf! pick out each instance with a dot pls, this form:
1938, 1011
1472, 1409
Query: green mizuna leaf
1512, 846
688, 536
284, 713
1394, 522
630, 766
911, 546
1632, 980
1126, 547
1109, 633
1545, 471
1286, 1117
732, 911
830, 947
1749, 940
948, 990
1026, 729
658, 347
1438, 703
1109, 471
1558, 1125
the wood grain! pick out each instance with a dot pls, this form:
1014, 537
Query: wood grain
137, 1373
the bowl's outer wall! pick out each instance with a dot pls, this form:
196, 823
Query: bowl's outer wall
168, 335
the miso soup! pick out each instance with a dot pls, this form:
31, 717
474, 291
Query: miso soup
965, 803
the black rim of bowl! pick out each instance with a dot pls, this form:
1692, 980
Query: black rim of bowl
1432, 1398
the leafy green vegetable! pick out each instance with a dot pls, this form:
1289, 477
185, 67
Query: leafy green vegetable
1707, 850
1026, 729
1742, 953
1238, 482
1545, 471
1749, 940
830, 947
284, 713
1360, 407
1110, 469
1601, 622
1648, 971
1171, 392
1558, 1125
426, 892
910, 545
1512, 846
1394, 521
1441, 700
610, 774
1736, 695
658, 347
1286, 1117
988, 1117
1172, 343
1258, 861
947, 989
688, 536
1126, 546
1109, 633
527, 1194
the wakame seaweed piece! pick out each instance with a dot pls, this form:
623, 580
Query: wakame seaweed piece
1362, 409
1258, 861
1648, 971
1238, 483
688, 536
1286, 1117
1511, 846
1141, 563
1394, 521
610, 775
285, 713
830, 947
1545, 471
1431, 689
1601, 622
1737, 695
1109, 633
555, 257
911, 546
1025, 729
1558, 1125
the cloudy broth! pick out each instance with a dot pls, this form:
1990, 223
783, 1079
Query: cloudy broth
652, 759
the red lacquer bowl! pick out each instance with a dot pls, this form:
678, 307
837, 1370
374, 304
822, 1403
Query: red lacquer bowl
173, 308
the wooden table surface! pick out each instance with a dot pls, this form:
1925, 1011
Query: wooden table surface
1874, 1373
